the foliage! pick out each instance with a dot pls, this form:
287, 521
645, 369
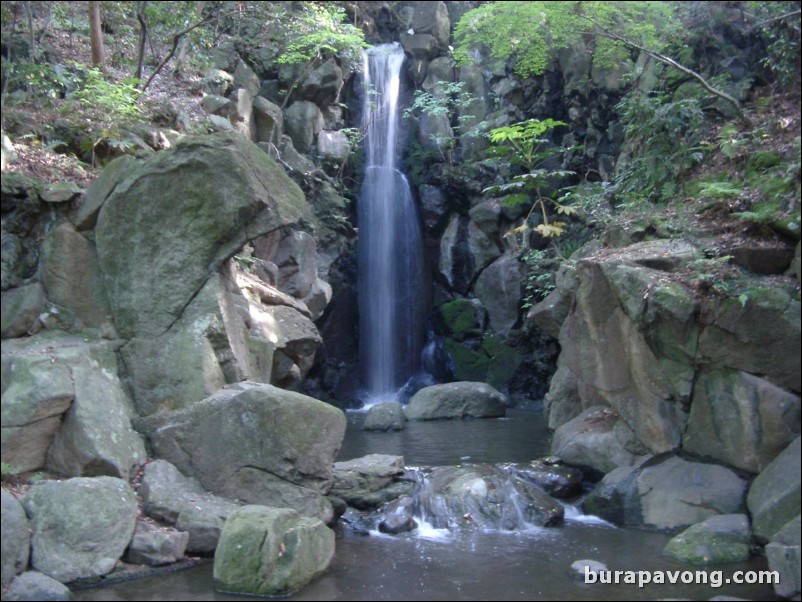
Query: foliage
319, 28
106, 99
665, 137
528, 31
524, 145
779, 26
537, 283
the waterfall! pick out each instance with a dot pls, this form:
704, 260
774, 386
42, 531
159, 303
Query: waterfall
391, 298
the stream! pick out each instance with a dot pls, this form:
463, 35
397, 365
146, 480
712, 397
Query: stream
468, 565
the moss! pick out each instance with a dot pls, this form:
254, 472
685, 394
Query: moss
461, 317
502, 367
469, 365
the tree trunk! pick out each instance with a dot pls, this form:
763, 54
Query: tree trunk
96, 34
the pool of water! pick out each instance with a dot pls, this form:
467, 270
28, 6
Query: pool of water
470, 565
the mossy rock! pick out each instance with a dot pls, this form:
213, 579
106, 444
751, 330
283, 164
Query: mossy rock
469, 365
462, 317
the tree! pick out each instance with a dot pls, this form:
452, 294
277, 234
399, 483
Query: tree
96, 35
529, 31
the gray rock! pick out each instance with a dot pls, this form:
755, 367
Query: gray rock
666, 493
581, 568
268, 120
297, 340
784, 554
218, 82
296, 259
434, 208
61, 192
85, 216
740, 419
286, 444
590, 440
499, 289
303, 121
716, 540
81, 526
439, 72
464, 251
456, 400
292, 160
244, 77
220, 124
318, 298
385, 417
215, 105
774, 496
333, 145
154, 545
551, 475
270, 551
33, 585
16, 540
427, 17
367, 482
397, 523
20, 310
71, 277
172, 498
240, 113
421, 46
551, 312
323, 85
237, 193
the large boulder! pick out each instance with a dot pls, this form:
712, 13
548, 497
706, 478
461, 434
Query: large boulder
16, 540
323, 85
64, 407
21, 308
667, 492
456, 400
237, 193
724, 538
303, 121
268, 120
284, 453
741, 419
270, 551
464, 252
499, 289
170, 497
33, 585
774, 496
81, 526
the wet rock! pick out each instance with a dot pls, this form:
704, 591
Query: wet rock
456, 400
286, 444
178, 500
81, 526
385, 417
270, 551
551, 475
370, 481
666, 492
718, 539
16, 540
774, 496
784, 553
154, 546
581, 568
33, 585
397, 523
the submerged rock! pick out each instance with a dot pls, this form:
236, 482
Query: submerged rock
551, 475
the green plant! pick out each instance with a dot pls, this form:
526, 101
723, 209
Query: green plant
720, 190
536, 282
105, 100
524, 145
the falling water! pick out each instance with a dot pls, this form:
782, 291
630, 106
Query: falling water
390, 245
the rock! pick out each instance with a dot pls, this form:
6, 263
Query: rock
774, 496
434, 208
215, 105
666, 493
419, 46
551, 312
783, 554
464, 251
581, 568
240, 113
20, 310
81, 526
740, 419
473, 113
333, 145
16, 540
244, 77
762, 259
297, 340
367, 482
71, 277
268, 120
237, 193
384, 417
303, 121
462, 318
427, 17
154, 546
485, 497
293, 160
590, 440
397, 523
755, 336
7, 153
218, 82
318, 298
716, 540
61, 192
296, 259
33, 585
96, 437
551, 476
456, 400
85, 216
286, 444
220, 124
499, 289
270, 551
172, 498
323, 85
